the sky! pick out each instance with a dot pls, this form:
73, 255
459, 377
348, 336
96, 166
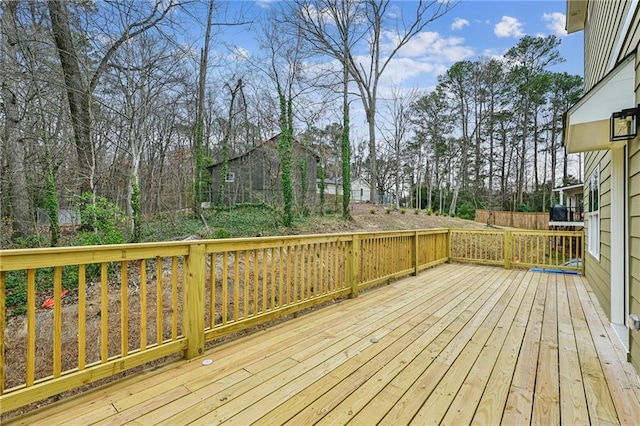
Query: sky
473, 28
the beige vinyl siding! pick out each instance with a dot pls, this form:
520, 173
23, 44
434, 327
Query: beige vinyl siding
605, 21
632, 37
605, 46
634, 243
598, 271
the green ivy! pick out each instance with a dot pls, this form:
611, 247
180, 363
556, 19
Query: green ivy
302, 168
322, 184
346, 167
224, 171
51, 197
285, 149
103, 221
135, 207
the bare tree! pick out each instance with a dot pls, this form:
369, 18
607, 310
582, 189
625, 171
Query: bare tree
383, 35
395, 128
200, 113
80, 86
14, 111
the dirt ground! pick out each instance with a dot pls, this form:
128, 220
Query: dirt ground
370, 218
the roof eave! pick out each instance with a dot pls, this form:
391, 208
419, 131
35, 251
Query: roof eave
576, 15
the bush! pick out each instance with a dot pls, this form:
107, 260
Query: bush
403, 211
221, 233
429, 212
467, 211
103, 221
416, 211
524, 207
387, 210
372, 211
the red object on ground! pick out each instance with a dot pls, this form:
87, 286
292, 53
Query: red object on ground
48, 304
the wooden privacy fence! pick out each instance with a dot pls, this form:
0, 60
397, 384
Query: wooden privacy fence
523, 220
132, 304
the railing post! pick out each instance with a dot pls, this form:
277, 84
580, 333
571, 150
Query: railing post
507, 250
353, 266
448, 244
416, 260
193, 305
582, 238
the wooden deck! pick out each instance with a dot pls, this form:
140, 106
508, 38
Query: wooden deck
457, 344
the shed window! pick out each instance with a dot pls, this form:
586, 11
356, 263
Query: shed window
231, 177
593, 213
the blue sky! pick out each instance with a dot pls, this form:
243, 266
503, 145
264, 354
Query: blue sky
471, 29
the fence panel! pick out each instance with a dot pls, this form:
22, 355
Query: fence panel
384, 256
477, 246
522, 220
248, 286
549, 251
87, 315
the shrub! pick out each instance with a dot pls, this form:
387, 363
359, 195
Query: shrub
403, 211
221, 233
103, 221
372, 211
429, 212
416, 211
387, 210
524, 207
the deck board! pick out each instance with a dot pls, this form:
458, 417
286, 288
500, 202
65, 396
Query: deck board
457, 344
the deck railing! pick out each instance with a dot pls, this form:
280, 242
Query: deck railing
133, 304
555, 250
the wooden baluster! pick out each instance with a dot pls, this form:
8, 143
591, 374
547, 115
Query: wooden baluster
82, 316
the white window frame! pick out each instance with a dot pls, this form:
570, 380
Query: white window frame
593, 213
230, 177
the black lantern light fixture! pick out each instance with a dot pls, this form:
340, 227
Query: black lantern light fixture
624, 124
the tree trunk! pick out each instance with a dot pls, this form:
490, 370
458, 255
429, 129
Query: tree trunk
536, 178
77, 92
373, 162
200, 166
16, 174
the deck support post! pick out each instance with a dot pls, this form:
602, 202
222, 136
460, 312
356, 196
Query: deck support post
582, 252
507, 250
353, 266
416, 258
193, 307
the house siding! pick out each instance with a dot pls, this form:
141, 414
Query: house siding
607, 41
605, 21
633, 152
598, 270
257, 177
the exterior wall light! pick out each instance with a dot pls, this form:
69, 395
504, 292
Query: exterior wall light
624, 124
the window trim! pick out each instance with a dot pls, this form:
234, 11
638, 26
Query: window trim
593, 213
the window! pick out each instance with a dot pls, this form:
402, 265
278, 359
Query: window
593, 214
231, 177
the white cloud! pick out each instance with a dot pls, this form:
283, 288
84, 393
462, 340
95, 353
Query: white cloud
240, 53
430, 45
264, 4
402, 69
459, 23
555, 22
493, 53
508, 27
